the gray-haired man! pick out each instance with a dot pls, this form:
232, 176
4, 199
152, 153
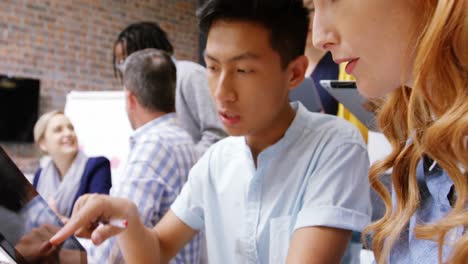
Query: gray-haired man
161, 152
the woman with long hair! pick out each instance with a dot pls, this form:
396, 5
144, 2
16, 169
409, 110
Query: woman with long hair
415, 55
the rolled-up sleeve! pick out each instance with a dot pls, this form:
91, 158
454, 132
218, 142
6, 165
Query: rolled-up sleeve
338, 192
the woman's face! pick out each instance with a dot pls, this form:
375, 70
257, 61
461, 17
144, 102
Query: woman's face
372, 36
59, 137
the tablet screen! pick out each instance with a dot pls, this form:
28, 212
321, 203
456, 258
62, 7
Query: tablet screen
7, 252
27, 222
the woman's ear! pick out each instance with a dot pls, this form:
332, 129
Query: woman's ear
297, 69
42, 145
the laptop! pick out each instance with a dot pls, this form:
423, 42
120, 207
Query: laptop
347, 94
27, 222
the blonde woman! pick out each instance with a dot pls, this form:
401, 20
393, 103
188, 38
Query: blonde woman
69, 173
415, 54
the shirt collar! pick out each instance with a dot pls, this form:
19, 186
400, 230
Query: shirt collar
291, 134
152, 125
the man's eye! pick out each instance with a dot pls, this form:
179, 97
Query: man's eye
212, 68
244, 71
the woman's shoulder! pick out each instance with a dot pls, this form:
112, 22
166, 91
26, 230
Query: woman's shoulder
97, 165
96, 176
95, 161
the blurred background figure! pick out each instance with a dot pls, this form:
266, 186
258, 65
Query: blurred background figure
321, 67
194, 106
67, 173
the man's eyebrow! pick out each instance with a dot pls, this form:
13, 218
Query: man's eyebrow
208, 56
243, 56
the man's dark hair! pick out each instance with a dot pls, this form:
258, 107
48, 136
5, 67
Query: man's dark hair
286, 20
142, 35
151, 75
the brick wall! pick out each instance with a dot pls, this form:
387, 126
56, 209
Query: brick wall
67, 44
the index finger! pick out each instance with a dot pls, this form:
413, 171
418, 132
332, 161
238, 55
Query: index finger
68, 230
83, 217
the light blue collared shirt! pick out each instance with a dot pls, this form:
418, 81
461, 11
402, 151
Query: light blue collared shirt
434, 188
316, 175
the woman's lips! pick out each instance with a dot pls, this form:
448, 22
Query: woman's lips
350, 66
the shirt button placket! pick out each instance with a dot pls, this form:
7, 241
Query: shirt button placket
253, 217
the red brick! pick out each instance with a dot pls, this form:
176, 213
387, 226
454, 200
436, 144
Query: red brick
67, 45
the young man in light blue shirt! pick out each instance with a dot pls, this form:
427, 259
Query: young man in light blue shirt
287, 186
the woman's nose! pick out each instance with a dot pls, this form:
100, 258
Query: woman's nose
68, 132
324, 36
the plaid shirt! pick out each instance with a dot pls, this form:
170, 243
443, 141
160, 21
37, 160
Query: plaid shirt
161, 156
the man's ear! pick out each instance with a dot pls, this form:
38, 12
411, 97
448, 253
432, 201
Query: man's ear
296, 70
131, 99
